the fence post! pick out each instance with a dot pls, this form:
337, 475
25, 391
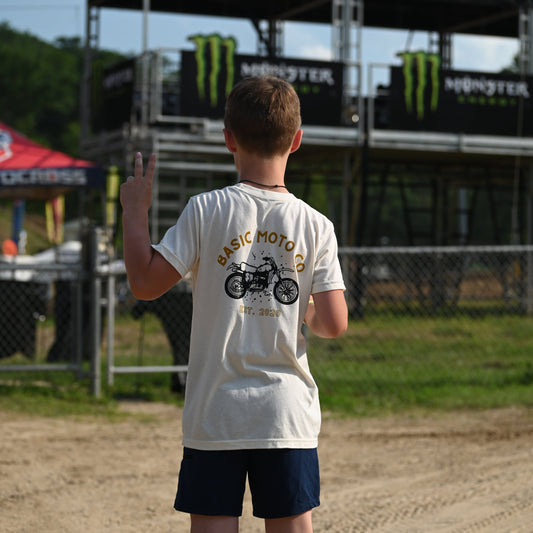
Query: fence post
94, 313
110, 327
529, 283
77, 310
529, 242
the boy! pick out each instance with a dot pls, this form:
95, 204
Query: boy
256, 254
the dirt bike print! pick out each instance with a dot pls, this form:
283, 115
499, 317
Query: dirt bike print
267, 278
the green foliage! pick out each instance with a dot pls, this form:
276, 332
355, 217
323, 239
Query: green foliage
40, 87
397, 201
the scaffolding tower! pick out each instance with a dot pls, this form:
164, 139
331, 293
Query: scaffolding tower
438, 180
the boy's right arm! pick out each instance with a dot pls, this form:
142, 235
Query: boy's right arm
149, 274
327, 314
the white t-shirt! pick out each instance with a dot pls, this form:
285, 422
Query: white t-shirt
255, 257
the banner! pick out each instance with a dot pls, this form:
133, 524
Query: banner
209, 73
425, 97
55, 219
112, 95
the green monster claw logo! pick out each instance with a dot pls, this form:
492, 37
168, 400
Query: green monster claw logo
222, 52
425, 65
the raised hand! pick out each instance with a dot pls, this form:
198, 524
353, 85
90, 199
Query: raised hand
136, 191
149, 274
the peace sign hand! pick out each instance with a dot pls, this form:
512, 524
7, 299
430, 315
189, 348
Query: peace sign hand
136, 191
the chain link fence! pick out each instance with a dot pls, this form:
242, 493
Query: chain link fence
420, 319
51, 312
447, 327
41, 313
445, 281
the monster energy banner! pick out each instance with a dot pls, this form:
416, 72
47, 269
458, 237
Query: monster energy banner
426, 97
209, 73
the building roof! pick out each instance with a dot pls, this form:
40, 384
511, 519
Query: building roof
483, 17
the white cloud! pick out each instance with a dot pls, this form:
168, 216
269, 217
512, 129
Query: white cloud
319, 52
489, 54
309, 41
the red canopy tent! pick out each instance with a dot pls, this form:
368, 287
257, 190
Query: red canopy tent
29, 170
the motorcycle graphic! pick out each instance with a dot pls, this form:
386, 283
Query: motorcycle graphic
246, 278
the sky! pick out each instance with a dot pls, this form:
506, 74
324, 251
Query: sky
121, 30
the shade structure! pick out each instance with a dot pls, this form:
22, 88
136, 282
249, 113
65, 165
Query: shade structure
30, 170
480, 17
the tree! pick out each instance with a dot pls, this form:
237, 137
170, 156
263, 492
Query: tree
40, 87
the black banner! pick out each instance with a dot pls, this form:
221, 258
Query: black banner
425, 97
113, 95
209, 73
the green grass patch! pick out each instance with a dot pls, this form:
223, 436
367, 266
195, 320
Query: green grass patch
383, 364
60, 393
387, 364
46, 395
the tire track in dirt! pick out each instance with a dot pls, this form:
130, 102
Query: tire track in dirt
443, 480
458, 473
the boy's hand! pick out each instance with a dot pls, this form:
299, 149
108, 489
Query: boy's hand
136, 191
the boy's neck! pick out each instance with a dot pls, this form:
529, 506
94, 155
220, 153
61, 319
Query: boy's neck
267, 174
263, 185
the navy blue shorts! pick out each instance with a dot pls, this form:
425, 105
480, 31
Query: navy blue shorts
283, 482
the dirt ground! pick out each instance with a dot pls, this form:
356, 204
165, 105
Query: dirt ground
461, 473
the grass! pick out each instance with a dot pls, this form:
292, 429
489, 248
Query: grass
53, 395
58, 393
392, 364
384, 364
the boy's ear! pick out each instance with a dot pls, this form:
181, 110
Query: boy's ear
230, 141
296, 141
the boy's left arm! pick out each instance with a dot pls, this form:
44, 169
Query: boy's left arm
327, 313
149, 274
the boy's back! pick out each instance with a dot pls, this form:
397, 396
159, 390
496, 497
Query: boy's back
255, 257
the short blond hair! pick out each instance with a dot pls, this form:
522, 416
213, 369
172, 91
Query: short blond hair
263, 114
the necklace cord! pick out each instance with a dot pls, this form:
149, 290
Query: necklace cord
263, 184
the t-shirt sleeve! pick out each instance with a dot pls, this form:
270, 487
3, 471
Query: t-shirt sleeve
180, 244
328, 274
